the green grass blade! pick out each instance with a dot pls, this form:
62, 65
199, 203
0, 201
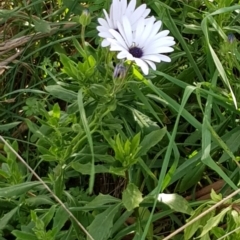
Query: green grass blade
89, 137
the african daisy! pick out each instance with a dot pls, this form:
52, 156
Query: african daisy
118, 9
144, 46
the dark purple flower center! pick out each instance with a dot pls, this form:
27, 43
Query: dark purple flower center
136, 52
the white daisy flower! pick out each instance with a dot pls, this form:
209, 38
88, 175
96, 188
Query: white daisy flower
144, 46
118, 9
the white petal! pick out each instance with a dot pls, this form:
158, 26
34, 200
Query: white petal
123, 7
102, 29
164, 58
162, 40
151, 64
153, 57
127, 30
158, 44
157, 50
119, 38
142, 65
103, 22
111, 11
110, 23
130, 8
116, 12
105, 43
115, 46
161, 34
134, 21
105, 35
146, 12
139, 30
122, 55
156, 26
147, 31
122, 31
155, 29
138, 13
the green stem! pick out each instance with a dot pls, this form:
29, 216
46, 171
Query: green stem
83, 37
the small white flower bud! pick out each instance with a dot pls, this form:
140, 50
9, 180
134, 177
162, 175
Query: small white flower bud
119, 71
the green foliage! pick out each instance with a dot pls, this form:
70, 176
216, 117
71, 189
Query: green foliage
123, 154
210, 225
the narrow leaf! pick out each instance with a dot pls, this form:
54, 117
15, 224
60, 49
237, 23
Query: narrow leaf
7, 217
17, 190
100, 228
151, 140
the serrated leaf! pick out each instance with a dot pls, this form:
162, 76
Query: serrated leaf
175, 202
101, 226
131, 197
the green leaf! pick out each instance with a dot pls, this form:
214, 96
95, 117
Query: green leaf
89, 137
151, 140
101, 226
79, 48
99, 90
60, 219
135, 143
131, 197
47, 217
8, 126
190, 230
101, 199
61, 93
145, 214
7, 217
233, 144
41, 26
215, 197
191, 177
56, 112
214, 221
17, 190
86, 168
23, 235
119, 171
175, 202
39, 200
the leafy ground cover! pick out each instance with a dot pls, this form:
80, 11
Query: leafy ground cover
84, 155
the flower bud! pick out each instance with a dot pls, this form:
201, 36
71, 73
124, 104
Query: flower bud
231, 37
85, 18
119, 71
